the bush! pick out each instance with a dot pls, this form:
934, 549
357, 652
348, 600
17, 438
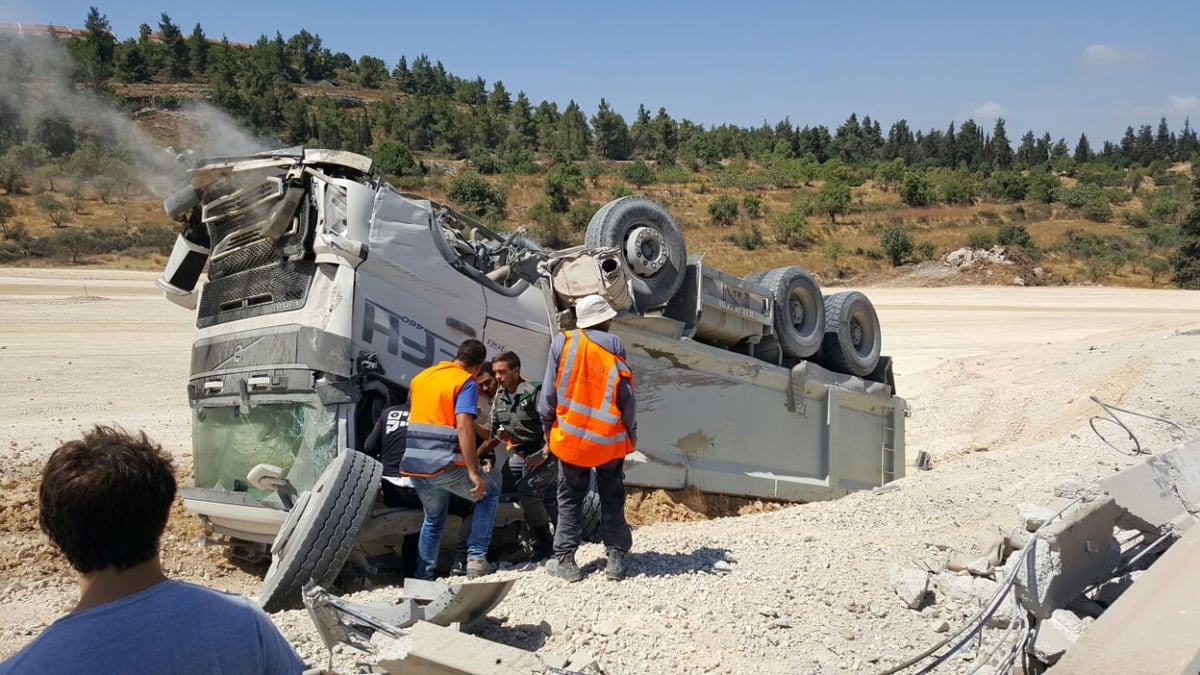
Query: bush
486, 163
1010, 186
54, 209
618, 190
958, 189
1166, 205
74, 242
393, 158
1137, 219
1042, 186
834, 250
753, 206
1097, 211
915, 191
791, 228
723, 210
896, 243
548, 225
925, 250
673, 174
563, 182
638, 173
580, 215
478, 196
981, 239
1014, 235
1157, 268
751, 240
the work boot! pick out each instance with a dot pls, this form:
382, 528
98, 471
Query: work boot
543, 543
478, 567
459, 568
565, 568
615, 569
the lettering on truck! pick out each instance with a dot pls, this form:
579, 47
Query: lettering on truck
423, 352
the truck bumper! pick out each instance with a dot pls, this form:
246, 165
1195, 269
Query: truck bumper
234, 514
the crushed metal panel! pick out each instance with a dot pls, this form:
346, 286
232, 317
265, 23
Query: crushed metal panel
441, 651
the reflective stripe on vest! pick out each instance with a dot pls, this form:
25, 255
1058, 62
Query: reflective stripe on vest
432, 427
588, 430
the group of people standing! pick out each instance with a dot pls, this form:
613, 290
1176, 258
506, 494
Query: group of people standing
581, 417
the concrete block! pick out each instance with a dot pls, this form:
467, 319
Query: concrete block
1068, 555
910, 583
1055, 636
435, 650
1033, 516
1160, 492
1152, 627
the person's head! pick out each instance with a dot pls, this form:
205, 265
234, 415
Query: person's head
105, 498
486, 379
507, 367
593, 311
471, 355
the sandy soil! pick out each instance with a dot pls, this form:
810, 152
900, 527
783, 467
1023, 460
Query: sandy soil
1004, 370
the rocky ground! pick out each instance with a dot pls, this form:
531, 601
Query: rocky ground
999, 381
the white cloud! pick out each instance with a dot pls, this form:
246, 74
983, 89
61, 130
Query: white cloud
1115, 54
1183, 103
990, 111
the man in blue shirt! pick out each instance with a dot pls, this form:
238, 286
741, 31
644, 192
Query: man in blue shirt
104, 502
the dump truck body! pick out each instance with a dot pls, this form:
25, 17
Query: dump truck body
328, 290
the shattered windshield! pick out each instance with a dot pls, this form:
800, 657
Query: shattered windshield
297, 436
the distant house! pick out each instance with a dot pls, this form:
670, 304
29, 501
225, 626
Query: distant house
53, 30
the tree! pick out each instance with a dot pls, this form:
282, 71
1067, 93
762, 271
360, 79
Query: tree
479, 196
6, 214
372, 72
834, 198
1083, 150
75, 242
131, 63
834, 250
393, 157
639, 173
890, 174
896, 244
175, 64
54, 209
198, 51
612, 140
1000, 149
916, 190
1187, 259
563, 182
723, 210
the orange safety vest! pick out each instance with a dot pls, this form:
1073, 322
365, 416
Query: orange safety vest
432, 442
588, 430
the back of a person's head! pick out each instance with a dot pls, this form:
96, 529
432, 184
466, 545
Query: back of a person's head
471, 353
105, 498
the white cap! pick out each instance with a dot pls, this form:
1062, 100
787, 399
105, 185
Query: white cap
592, 310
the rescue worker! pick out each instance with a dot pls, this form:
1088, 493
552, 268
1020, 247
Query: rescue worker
515, 421
440, 456
588, 411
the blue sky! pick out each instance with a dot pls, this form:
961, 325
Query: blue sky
1058, 66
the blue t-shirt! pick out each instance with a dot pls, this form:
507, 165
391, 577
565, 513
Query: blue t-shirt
173, 627
467, 400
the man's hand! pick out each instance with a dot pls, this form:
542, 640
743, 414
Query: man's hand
479, 486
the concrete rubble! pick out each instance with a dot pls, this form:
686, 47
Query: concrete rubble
1085, 577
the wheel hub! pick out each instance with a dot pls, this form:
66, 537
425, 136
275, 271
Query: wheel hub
645, 251
796, 308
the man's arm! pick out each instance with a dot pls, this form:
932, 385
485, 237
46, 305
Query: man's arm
373, 445
548, 402
466, 402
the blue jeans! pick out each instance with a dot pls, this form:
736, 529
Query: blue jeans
434, 493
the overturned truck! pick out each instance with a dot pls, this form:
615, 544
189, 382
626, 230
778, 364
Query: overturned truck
328, 290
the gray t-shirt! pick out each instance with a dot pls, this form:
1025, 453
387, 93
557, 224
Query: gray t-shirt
173, 627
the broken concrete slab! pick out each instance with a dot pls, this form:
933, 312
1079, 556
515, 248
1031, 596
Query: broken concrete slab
1054, 636
1162, 492
911, 583
1033, 516
435, 650
1069, 555
1152, 627
973, 593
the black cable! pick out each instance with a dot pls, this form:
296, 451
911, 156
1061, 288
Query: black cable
1113, 419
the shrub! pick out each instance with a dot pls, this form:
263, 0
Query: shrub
1166, 205
1137, 219
723, 210
580, 215
486, 163
394, 158
477, 195
834, 250
54, 209
563, 182
548, 225
753, 206
958, 189
896, 243
673, 174
1014, 235
1042, 186
791, 228
915, 191
1011, 186
751, 240
925, 250
618, 190
74, 242
638, 173
1157, 267
981, 239
1097, 210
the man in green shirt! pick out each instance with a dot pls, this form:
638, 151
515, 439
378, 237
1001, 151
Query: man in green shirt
515, 421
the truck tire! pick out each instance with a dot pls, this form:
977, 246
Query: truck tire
852, 337
799, 310
319, 532
651, 245
590, 520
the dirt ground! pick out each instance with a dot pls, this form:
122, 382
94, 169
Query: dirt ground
985, 369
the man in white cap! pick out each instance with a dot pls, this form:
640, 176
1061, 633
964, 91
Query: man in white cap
589, 414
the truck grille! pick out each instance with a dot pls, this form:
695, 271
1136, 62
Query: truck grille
249, 275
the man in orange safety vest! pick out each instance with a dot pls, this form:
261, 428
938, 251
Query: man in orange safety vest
589, 414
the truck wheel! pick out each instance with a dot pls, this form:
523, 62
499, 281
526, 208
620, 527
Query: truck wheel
650, 242
799, 311
852, 337
319, 532
590, 522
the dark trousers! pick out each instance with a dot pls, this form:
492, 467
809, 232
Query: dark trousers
572, 488
532, 505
